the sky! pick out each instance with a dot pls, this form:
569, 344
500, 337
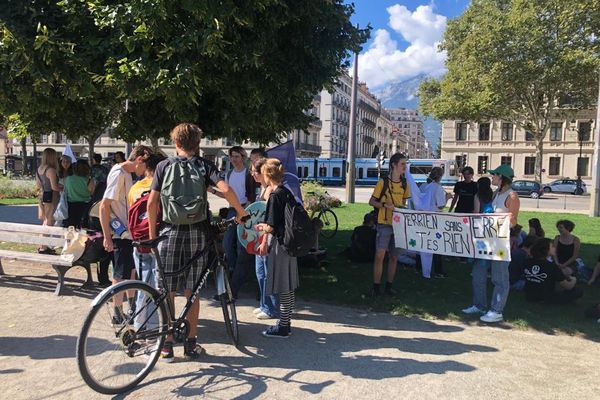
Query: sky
404, 38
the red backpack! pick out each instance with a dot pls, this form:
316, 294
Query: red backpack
137, 219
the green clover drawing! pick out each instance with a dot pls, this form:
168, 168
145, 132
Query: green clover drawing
412, 242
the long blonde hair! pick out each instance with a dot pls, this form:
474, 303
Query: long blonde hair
273, 169
49, 158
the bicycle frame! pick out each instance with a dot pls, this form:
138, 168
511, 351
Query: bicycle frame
215, 264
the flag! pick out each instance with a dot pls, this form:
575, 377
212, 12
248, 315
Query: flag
286, 153
69, 152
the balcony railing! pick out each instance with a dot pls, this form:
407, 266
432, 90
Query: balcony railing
308, 147
369, 122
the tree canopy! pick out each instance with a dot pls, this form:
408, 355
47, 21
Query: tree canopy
244, 70
518, 60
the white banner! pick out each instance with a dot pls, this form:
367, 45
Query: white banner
484, 236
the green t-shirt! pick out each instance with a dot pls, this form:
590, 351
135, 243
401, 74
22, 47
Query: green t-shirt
76, 188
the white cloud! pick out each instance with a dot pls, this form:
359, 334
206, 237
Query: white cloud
384, 61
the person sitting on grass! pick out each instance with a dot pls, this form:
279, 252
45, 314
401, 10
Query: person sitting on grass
362, 247
535, 228
544, 277
518, 258
595, 273
567, 247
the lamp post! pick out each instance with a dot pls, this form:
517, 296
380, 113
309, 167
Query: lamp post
580, 139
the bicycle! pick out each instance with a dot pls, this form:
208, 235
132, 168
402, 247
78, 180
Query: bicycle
327, 216
117, 349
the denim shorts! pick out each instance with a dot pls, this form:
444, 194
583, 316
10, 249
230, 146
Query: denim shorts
385, 241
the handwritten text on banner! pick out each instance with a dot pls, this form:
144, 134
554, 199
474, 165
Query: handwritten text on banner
484, 236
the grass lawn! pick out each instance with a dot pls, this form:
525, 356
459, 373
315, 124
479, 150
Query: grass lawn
12, 202
348, 283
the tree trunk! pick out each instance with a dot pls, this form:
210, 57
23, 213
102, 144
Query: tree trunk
154, 143
91, 143
539, 157
24, 157
34, 160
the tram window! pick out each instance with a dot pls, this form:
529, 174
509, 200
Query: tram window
371, 172
322, 171
336, 172
299, 172
305, 172
420, 169
360, 173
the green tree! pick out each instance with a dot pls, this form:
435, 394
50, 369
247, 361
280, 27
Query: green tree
244, 70
518, 60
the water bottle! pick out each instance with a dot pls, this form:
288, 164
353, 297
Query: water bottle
70, 235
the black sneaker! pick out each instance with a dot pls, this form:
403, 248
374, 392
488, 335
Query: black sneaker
166, 353
277, 331
390, 291
192, 350
441, 275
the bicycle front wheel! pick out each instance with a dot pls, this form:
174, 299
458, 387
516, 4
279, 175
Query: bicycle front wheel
121, 337
330, 223
228, 305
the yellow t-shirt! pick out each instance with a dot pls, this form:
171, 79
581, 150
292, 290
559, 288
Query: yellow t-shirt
396, 195
137, 189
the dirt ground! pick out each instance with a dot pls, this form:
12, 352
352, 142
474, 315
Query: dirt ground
334, 352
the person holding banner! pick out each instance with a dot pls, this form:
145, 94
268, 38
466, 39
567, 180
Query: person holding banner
390, 192
505, 200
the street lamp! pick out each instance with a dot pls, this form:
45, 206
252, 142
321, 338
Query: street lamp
580, 139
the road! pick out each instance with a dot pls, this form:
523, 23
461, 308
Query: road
549, 202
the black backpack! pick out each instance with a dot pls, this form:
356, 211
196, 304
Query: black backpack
299, 236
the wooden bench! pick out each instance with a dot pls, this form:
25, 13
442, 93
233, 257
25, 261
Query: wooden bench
39, 235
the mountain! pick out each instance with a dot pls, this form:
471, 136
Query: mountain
403, 94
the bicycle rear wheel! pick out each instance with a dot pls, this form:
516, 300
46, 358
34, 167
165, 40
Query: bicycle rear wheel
330, 223
228, 305
119, 345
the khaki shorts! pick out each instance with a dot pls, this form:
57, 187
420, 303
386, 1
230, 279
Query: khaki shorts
385, 241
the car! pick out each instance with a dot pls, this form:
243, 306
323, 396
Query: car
565, 186
528, 188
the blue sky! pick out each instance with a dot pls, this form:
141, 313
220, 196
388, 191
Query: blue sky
404, 38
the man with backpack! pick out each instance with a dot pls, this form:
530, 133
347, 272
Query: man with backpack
180, 184
99, 173
139, 228
113, 218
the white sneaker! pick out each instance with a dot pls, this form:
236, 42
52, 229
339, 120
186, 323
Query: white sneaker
256, 311
492, 316
473, 310
262, 315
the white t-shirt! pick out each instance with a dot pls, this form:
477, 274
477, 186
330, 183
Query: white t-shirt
437, 196
118, 184
237, 181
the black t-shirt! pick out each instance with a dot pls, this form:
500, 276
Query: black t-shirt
541, 277
466, 196
275, 215
211, 173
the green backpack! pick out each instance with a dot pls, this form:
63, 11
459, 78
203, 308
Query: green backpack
183, 195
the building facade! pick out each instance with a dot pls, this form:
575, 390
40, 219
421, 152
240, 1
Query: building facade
6, 149
568, 147
307, 142
335, 118
409, 133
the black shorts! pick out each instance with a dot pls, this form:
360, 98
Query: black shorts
123, 262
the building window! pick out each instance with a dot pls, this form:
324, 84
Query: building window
582, 166
461, 131
507, 131
506, 160
554, 168
585, 129
484, 131
482, 164
529, 136
556, 131
529, 166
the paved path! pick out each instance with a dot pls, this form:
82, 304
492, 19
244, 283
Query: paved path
334, 353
